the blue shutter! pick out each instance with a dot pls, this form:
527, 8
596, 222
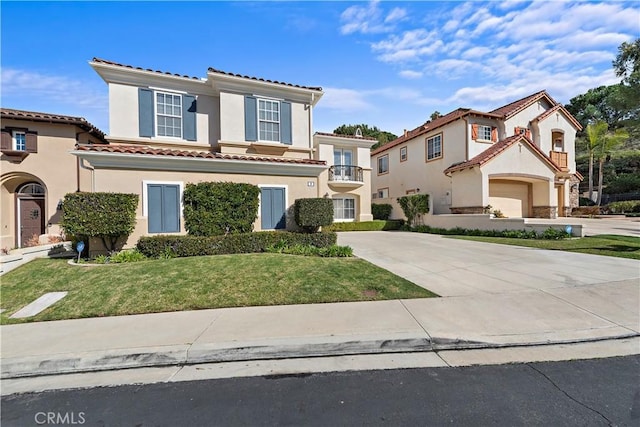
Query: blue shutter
278, 208
145, 112
272, 208
285, 123
265, 209
154, 208
189, 109
170, 209
250, 119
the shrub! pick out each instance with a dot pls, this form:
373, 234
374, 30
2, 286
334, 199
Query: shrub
550, 233
381, 210
586, 210
377, 225
627, 206
131, 255
216, 208
311, 214
623, 183
585, 201
108, 216
166, 246
308, 250
554, 234
414, 206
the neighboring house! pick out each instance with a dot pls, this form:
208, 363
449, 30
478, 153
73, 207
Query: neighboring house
519, 159
38, 170
167, 130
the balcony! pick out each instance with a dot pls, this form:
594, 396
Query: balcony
346, 176
560, 159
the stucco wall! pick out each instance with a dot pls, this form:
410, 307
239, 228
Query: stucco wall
525, 116
131, 181
51, 166
557, 122
485, 222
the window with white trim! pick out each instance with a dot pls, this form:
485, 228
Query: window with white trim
383, 193
403, 154
269, 120
434, 147
383, 164
484, 132
169, 114
19, 140
344, 209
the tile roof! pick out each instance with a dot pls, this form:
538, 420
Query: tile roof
495, 150
555, 108
213, 70
368, 138
145, 150
10, 113
516, 106
104, 61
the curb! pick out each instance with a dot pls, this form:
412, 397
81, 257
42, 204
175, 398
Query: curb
178, 355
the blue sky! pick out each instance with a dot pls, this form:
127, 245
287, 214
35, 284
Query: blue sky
387, 63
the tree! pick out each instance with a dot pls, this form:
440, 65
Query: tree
627, 66
600, 103
608, 143
627, 61
383, 137
436, 114
413, 206
595, 135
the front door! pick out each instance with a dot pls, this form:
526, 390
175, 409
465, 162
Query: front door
272, 208
560, 201
31, 220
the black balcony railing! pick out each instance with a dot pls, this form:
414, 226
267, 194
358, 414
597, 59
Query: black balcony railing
345, 173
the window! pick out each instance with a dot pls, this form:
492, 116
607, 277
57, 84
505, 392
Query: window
383, 193
162, 206
409, 192
169, 114
19, 141
344, 209
434, 147
383, 164
484, 132
269, 120
403, 154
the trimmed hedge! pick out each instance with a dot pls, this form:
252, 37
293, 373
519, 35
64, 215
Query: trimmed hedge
377, 225
311, 214
627, 206
108, 216
184, 246
548, 234
381, 210
586, 210
216, 208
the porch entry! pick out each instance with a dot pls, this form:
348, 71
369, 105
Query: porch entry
30, 206
272, 208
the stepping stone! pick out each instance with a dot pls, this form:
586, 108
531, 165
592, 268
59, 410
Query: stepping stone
45, 301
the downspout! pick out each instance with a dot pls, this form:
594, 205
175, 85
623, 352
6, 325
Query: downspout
311, 127
93, 174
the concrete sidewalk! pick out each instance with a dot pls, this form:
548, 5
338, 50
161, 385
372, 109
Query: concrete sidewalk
494, 296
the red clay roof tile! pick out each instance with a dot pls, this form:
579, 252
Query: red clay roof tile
368, 138
145, 150
104, 61
260, 79
555, 108
519, 105
10, 113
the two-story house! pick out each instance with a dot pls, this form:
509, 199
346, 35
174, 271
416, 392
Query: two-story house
167, 130
37, 171
519, 159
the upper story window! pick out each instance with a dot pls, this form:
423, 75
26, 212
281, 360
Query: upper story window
484, 133
403, 154
383, 164
169, 114
19, 141
269, 119
434, 147
558, 141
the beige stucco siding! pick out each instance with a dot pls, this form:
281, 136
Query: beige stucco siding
467, 188
524, 117
131, 181
52, 166
556, 122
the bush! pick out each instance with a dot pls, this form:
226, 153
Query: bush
131, 255
413, 206
307, 250
624, 183
585, 201
311, 214
108, 216
549, 233
378, 225
586, 211
553, 234
628, 206
381, 211
169, 246
216, 208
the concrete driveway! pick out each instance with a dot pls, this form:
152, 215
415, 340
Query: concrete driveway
491, 291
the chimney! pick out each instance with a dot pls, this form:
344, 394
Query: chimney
405, 132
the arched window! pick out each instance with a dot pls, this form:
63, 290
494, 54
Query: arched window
31, 189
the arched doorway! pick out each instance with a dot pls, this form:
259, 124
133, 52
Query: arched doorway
30, 203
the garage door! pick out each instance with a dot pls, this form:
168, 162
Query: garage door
512, 198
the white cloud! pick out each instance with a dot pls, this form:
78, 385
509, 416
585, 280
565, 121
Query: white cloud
410, 74
345, 100
370, 19
397, 14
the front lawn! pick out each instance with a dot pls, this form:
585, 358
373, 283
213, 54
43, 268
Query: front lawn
605, 244
197, 283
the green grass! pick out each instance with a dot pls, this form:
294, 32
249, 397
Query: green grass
605, 244
197, 283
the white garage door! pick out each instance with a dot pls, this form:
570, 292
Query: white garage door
511, 198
